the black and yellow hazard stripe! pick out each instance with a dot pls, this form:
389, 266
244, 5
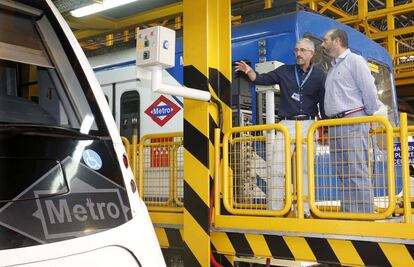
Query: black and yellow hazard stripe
223, 260
314, 249
207, 67
170, 237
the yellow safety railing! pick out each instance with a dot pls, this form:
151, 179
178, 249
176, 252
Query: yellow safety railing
257, 170
348, 182
160, 171
401, 135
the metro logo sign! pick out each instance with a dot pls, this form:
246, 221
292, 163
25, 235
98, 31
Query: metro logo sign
162, 110
94, 204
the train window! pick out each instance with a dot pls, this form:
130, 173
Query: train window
382, 76
19, 40
38, 84
27, 95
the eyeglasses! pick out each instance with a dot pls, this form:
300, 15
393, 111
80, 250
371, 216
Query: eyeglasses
302, 50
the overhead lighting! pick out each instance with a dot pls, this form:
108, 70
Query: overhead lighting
97, 7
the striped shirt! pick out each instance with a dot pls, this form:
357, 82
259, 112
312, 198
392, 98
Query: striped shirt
350, 85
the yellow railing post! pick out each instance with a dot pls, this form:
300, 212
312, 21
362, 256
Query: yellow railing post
390, 175
405, 168
299, 169
229, 203
216, 171
173, 179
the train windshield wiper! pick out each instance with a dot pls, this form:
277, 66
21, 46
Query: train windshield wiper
44, 130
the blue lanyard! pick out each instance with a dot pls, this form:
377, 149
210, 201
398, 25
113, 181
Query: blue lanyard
300, 85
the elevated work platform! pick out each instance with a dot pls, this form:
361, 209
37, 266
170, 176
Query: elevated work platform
259, 201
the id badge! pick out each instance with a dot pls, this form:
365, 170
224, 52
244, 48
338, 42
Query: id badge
296, 96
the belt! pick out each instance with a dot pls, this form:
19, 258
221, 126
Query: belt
346, 113
298, 117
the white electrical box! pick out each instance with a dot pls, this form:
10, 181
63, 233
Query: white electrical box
156, 46
266, 67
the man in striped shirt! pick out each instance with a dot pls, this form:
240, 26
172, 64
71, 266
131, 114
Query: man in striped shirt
350, 92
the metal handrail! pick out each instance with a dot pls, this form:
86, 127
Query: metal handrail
228, 199
390, 171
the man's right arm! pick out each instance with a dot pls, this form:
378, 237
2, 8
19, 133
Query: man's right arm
269, 78
244, 67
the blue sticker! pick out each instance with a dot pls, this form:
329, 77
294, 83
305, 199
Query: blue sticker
92, 159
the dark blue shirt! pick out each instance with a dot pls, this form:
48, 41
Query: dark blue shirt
312, 93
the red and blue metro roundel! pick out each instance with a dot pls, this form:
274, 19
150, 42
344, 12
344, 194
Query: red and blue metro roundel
162, 110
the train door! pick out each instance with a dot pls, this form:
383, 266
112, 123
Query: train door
129, 117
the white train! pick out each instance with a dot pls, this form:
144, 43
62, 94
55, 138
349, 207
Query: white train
133, 104
67, 194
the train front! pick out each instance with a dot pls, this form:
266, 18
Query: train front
67, 196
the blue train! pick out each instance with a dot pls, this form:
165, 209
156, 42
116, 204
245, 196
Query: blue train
270, 39
274, 38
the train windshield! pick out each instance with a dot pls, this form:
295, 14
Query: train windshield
382, 75
38, 85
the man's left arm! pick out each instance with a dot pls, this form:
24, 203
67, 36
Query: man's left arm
365, 82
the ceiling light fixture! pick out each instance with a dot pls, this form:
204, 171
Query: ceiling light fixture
97, 7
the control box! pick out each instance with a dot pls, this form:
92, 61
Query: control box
156, 46
266, 67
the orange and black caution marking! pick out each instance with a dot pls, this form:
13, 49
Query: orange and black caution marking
220, 258
322, 250
410, 249
240, 244
196, 177
196, 143
315, 249
371, 253
175, 240
278, 247
197, 208
193, 78
221, 85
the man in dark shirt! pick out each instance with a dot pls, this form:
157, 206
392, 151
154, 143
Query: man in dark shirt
302, 89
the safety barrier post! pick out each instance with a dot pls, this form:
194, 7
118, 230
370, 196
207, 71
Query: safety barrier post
405, 168
173, 179
389, 175
216, 171
299, 170
140, 165
207, 58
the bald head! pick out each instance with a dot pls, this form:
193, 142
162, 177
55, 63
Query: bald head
340, 35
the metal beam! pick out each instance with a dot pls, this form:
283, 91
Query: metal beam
381, 13
98, 23
329, 4
152, 15
399, 31
406, 79
140, 18
207, 59
405, 66
337, 11
391, 26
